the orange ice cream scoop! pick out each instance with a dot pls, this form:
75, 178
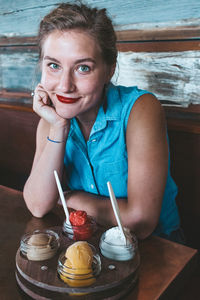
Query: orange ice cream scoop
77, 270
79, 255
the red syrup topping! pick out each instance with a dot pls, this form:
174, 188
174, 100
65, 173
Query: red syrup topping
81, 225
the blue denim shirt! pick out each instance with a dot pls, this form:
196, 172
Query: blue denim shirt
89, 165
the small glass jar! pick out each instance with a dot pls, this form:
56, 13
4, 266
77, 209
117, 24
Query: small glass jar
39, 245
79, 277
82, 232
112, 245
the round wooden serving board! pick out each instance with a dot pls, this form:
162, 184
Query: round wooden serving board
40, 280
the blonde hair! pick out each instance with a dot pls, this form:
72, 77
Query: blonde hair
95, 21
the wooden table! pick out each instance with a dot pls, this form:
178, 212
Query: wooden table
165, 266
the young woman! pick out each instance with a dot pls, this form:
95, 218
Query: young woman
95, 132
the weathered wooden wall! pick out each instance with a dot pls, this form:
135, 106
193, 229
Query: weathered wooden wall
172, 73
171, 76
21, 17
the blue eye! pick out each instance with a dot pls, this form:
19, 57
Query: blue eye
54, 66
84, 68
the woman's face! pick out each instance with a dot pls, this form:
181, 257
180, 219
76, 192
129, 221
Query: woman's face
74, 73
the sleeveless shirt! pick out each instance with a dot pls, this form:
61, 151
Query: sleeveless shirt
89, 165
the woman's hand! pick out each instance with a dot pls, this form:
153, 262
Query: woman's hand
42, 105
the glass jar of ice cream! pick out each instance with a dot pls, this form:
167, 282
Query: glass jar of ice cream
79, 265
81, 226
113, 245
39, 245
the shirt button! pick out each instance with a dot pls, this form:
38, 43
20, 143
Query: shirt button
92, 186
94, 140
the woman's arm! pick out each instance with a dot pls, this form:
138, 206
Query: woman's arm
147, 172
147, 164
40, 191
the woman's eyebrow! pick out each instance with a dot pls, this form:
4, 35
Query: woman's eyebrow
85, 59
78, 61
51, 58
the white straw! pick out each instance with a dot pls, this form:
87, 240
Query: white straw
115, 208
62, 197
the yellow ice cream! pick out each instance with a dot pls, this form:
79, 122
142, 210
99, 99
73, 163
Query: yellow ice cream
77, 271
79, 255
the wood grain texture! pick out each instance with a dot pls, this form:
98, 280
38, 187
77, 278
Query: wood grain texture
26, 14
109, 283
18, 70
159, 46
159, 34
171, 76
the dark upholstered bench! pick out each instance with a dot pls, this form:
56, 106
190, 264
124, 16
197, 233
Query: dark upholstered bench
17, 135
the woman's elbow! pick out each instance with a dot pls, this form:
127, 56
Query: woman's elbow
30, 203
143, 226
143, 234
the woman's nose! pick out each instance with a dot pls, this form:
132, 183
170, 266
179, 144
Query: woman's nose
66, 83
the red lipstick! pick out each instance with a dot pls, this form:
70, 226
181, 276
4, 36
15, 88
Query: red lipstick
67, 100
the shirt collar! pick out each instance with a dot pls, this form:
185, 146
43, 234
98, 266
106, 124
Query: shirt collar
113, 110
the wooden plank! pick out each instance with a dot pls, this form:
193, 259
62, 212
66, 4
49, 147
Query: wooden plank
159, 34
159, 46
191, 109
18, 41
14, 94
129, 14
172, 76
16, 107
26, 15
19, 72
188, 126
139, 44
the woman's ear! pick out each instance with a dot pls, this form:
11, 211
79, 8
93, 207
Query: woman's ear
111, 72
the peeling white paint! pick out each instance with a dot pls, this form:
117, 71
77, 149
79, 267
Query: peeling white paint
171, 76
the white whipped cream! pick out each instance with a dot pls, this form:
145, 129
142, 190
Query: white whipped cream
114, 246
115, 237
